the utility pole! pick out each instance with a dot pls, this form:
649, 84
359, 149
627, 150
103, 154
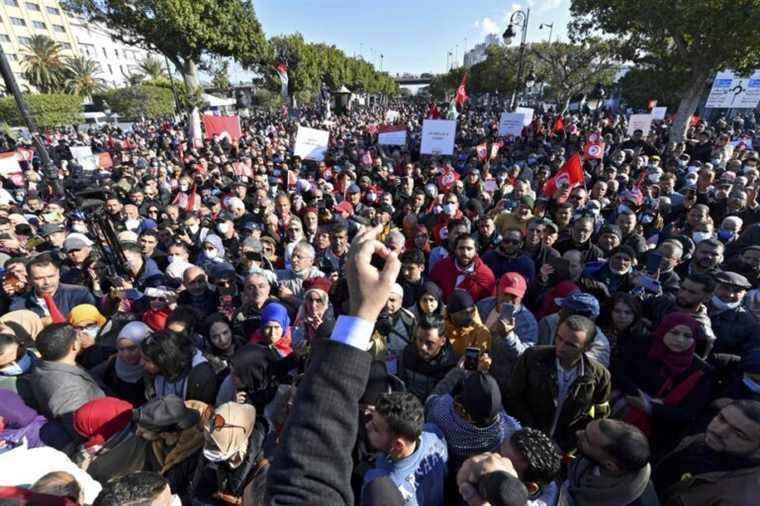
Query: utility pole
49, 170
171, 81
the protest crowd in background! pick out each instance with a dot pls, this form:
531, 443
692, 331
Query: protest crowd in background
574, 321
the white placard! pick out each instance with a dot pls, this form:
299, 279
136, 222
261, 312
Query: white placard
395, 137
311, 143
88, 163
391, 116
511, 123
751, 96
659, 112
732, 91
438, 137
80, 152
641, 122
528, 112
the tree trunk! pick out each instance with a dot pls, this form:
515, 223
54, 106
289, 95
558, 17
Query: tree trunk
687, 107
190, 74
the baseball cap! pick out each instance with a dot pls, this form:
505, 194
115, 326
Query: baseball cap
344, 207
353, 188
252, 244
481, 397
50, 228
75, 243
513, 283
580, 303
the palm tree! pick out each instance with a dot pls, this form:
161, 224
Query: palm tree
152, 69
81, 78
44, 65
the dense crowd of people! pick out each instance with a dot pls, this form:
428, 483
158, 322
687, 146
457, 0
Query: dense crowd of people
382, 327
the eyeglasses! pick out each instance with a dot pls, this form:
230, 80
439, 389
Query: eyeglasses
217, 422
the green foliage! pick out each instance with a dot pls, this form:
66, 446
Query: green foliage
44, 65
311, 64
690, 40
183, 30
134, 102
642, 84
81, 78
48, 110
152, 69
220, 78
268, 99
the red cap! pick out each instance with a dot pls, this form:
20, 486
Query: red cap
344, 207
513, 283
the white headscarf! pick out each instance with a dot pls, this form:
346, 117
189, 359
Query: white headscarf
135, 332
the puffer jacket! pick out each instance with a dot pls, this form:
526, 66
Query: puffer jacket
736, 330
420, 377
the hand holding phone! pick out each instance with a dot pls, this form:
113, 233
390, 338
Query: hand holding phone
471, 358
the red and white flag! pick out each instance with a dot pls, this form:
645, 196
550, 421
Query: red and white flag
10, 169
25, 154
223, 126
569, 175
282, 71
495, 147
461, 95
559, 125
593, 151
482, 150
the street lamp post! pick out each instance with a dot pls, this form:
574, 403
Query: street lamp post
550, 26
520, 19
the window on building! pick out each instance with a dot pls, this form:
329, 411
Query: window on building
12, 3
116, 52
18, 21
39, 24
54, 11
87, 49
65, 45
110, 69
105, 53
25, 40
59, 28
5, 38
31, 6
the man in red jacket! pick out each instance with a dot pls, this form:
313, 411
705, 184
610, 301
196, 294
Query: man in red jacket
465, 270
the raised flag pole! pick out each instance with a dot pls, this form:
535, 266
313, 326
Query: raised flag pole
49, 170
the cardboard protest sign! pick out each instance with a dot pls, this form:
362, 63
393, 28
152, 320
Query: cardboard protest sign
528, 114
10, 169
394, 135
641, 122
438, 137
392, 116
311, 143
659, 112
511, 123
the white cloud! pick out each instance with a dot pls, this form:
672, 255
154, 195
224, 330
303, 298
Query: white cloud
488, 26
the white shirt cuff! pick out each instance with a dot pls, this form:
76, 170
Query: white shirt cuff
353, 331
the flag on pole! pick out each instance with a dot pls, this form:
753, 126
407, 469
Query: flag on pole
593, 150
10, 169
196, 134
559, 125
282, 71
461, 95
569, 175
223, 126
433, 112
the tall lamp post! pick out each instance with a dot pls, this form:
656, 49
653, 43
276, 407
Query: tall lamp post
517, 19
550, 26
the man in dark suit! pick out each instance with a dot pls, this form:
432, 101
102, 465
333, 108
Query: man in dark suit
313, 463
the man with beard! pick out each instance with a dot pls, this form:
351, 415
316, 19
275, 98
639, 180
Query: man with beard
455, 229
427, 359
610, 237
707, 258
721, 466
580, 240
747, 264
290, 281
735, 328
626, 220
508, 257
613, 276
534, 245
612, 467
393, 328
197, 293
464, 271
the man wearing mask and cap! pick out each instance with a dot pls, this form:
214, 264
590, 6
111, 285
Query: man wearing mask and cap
736, 330
78, 250
394, 329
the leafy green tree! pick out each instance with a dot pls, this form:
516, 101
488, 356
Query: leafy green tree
643, 83
152, 69
48, 110
183, 30
220, 78
144, 101
573, 69
44, 65
81, 77
692, 40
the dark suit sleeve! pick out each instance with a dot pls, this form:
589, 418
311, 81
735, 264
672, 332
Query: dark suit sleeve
514, 396
313, 463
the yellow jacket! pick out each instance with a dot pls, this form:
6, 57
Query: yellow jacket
474, 335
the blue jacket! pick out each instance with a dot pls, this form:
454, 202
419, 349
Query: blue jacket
500, 265
66, 298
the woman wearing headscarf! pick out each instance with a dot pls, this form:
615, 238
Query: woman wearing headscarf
252, 377
275, 330
123, 372
233, 456
87, 319
315, 319
221, 343
18, 421
17, 359
213, 257
111, 447
177, 368
430, 302
663, 383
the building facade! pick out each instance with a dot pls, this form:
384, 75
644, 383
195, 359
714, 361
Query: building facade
478, 53
20, 19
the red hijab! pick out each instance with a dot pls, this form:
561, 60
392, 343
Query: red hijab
674, 362
101, 418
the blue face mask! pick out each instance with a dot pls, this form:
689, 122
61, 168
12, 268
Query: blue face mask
725, 235
751, 384
18, 367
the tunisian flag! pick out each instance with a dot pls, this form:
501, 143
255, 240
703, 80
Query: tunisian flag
461, 95
559, 125
569, 175
433, 112
223, 126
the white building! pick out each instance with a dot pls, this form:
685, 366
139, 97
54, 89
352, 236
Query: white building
117, 60
478, 53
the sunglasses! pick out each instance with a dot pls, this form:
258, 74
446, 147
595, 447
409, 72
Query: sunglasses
217, 422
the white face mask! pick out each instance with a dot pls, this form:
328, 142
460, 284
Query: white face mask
211, 253
449, 208
18, 367
171, 258
79, 227
132, 224
698, 237
184, 187
223, 228
92, 331
720, 304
